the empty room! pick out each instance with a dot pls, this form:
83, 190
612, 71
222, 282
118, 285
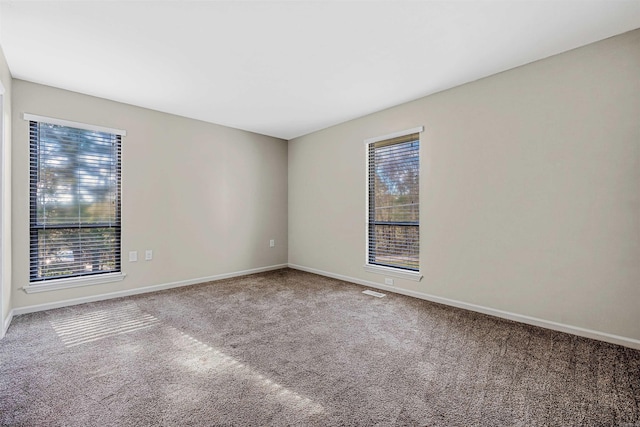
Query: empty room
320, 213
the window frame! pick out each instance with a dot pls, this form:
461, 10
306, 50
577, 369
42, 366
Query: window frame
391, 271
56, 283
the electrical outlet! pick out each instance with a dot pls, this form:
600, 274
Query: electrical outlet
388, 281
272, 243
148, 255
133, 256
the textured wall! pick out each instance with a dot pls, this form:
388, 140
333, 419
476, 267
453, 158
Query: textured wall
205, 198
530, 190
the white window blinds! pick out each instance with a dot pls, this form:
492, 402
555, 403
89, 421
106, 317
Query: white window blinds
394, 205
75, 201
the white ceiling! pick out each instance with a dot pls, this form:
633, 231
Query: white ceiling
289, 68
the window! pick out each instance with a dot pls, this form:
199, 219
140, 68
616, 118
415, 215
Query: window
75, 199
393, 229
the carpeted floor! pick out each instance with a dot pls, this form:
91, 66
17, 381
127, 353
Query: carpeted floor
292, 348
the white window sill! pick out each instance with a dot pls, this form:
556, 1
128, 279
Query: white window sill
73, 282
393, 272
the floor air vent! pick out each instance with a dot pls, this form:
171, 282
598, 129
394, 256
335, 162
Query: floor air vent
373, 293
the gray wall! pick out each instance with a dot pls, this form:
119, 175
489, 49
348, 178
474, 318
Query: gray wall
205, 198
5, 193
530, 190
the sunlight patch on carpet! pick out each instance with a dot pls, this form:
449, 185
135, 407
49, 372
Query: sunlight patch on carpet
100, 324
203, 357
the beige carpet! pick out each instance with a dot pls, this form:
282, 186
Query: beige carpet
292, 348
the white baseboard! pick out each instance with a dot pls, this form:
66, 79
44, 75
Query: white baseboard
575, 330
5, 324
154, 288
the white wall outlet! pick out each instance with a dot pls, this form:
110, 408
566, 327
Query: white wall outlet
148, 255
272, 243
388, 281
133, 256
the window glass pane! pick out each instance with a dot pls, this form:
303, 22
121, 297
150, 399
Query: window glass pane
397, 246
397, 174
77, 179
73, 252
